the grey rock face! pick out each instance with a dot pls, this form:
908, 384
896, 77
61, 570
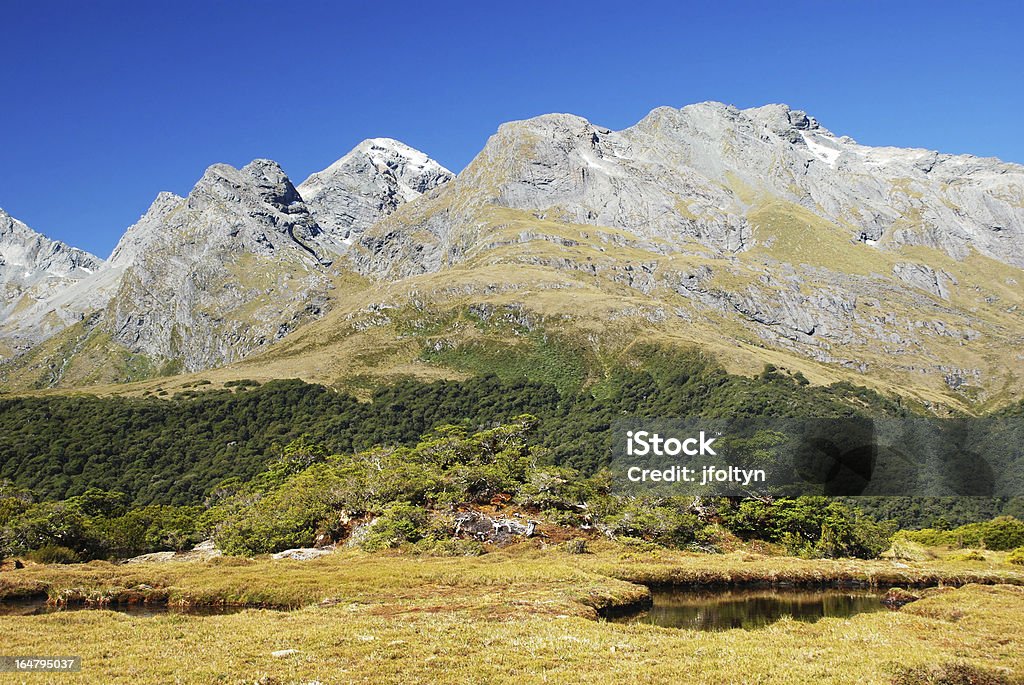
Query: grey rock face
896, 196
368, 183
208, 278
569, 170
698, 172
925, 278
32, 269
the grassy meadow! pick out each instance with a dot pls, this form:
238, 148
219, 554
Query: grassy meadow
525, 613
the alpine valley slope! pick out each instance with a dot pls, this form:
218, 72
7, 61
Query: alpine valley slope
755, 234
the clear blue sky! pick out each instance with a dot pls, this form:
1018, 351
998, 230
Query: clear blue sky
105, 104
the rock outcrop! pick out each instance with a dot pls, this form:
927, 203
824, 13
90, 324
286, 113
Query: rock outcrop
498, 530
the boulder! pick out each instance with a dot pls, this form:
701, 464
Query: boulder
497, 530
304, 553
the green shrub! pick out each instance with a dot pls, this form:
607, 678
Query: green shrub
1003, 533
1016, 557
399, 523
242, 383
967, 555
663, 521
999, 534
555, 488
147, 529
810, 527
287, 517
54, 554
714, 538
43, 524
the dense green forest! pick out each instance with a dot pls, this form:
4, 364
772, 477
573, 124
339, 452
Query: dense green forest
411, 497
175, 451
408, 496
172, 451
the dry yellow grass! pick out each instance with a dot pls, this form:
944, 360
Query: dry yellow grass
523, 615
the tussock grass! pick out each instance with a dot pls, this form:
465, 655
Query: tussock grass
607, 577
524, 614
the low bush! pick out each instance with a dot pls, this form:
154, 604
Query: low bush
809, 526
666, 522
54, 554
400, 522
967, 555
999, 534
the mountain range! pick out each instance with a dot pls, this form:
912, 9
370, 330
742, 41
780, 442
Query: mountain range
757, 235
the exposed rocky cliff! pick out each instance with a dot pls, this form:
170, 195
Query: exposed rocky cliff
33, 268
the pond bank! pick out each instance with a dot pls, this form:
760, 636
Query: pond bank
611, 576
396, 617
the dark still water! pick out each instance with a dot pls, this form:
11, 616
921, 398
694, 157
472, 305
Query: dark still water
37, 607
754, 608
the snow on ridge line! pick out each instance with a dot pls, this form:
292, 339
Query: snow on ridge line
416, 158
826, 153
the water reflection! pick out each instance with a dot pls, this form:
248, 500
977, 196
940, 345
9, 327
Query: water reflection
38, 607
725, 609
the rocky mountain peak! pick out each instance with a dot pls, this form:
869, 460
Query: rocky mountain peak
139, 235
35, 254
368, 183
780, 118
252, 209
34, 268
562, 167
221, 272
754, 226
260, 181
